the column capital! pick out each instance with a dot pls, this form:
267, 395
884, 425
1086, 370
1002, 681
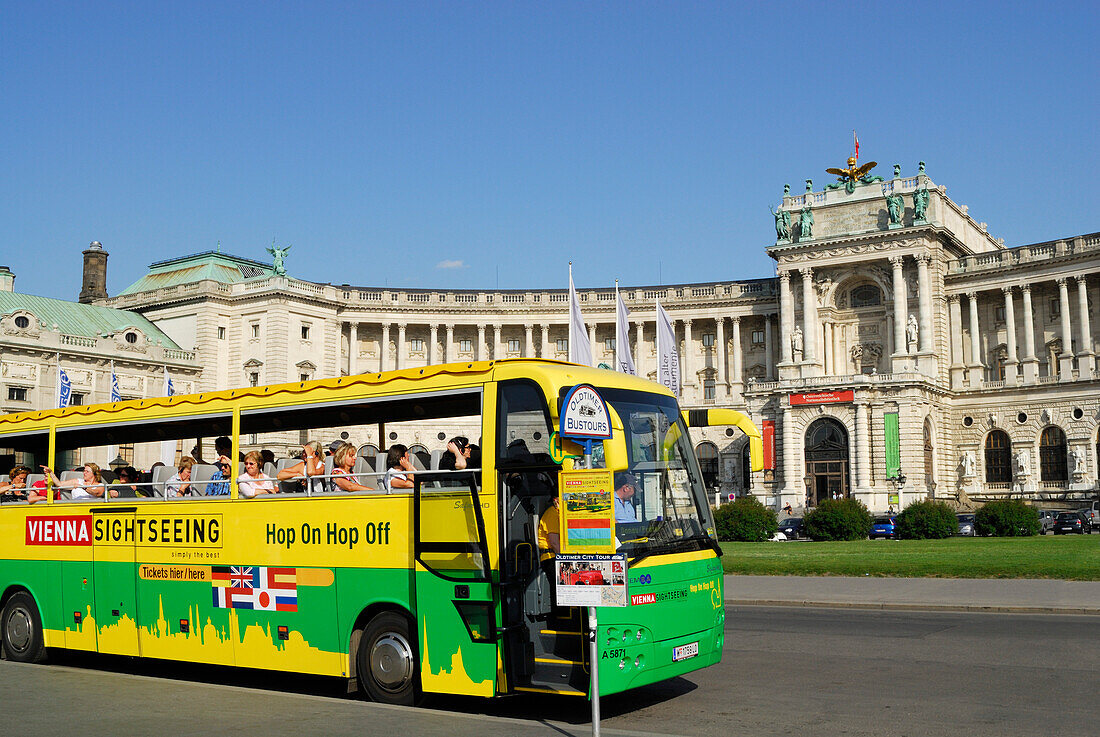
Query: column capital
972, 296
923, 258
1007, 290
1080, 278
896, 262
402, 325
1025, 289
784, 276
806, 271
953, 299
687, 322
1061, 281
736, 320
433, 328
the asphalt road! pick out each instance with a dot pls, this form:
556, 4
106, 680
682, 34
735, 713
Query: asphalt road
785, 671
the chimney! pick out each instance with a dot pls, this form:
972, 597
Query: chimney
7, 280
95, 273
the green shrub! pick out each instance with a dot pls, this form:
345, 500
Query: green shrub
1006, 518
745, 520
838, 519
927, 520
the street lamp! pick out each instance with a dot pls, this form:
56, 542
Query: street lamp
808, 480
899, 480
117, 463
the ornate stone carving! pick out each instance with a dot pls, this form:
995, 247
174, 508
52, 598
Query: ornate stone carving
1022, 463
805, 223
967, 464
920, 204
796, 342
782, 224
895, 207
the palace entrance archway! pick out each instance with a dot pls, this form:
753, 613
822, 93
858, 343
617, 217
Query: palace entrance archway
826, 460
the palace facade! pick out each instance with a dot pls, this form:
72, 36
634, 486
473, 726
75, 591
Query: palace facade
899, 352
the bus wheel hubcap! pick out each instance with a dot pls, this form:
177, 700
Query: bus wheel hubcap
391, 661
18, 629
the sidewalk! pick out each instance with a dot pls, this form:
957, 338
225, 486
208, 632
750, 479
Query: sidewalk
978, 595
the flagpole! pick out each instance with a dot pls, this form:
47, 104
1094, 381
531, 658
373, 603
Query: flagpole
657, 337
618, 337
59, 379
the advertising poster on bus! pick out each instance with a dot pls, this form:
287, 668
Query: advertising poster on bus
587, 511
591, 580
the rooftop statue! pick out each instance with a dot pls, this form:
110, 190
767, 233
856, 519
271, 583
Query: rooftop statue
782, 224
854, 173
278, 256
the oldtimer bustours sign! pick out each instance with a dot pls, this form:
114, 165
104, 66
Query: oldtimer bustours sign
584, 415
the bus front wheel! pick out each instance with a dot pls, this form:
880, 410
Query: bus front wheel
386, 662
21, 628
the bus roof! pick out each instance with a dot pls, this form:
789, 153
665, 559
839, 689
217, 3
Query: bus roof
548, 373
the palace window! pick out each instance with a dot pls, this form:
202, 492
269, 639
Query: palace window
255, 330
708, 390
998, 468
867, 295
254, 378
416, 345
513, 345
131, 338
563, 345
305, 332
757, 337
21, 321
609, 345
17, 394
466, 345
1052, 455
708, 340
76, 399
221, 333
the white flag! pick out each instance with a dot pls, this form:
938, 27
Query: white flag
668, 357
580, 350
169, 390
623, 360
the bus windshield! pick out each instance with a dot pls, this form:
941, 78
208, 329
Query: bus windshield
670, 507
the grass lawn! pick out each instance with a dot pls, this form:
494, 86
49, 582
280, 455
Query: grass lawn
1071, 557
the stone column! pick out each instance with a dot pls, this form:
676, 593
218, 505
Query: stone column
827, 348
433, 338
792, 479
1065, 360
809, 318
529, 341
900, 306
786, 318
1011, 361
685, 358
498, 351
479, 350
639, 330
839, 359
738, 369
447, 347
399, 356
353, 349
975, 338
546, 352
769, 349
1031, 364
1085, 356
958, 357
720, 350
384, 349
863, 449
592, 345
924, 296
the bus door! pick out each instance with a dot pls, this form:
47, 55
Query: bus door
453, 589
114, 576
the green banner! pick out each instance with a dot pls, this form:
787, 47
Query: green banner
893, 445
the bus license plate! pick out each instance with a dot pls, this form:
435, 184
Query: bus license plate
683, 652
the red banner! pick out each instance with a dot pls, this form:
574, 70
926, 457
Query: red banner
769, 445
822, 397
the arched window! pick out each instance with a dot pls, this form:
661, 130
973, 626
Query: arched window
370, 453
998, 458
707, 453
1052, 455
866, 295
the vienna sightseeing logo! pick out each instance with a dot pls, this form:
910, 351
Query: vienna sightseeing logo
60, 530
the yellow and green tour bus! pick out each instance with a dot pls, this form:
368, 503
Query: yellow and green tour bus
437, 588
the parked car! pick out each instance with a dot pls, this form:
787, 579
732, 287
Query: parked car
1093, 513
884, 527
1046, 521
791, 527
966, 525
1070, 522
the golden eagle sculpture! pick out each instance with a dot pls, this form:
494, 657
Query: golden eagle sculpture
854, 173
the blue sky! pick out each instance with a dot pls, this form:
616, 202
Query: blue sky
644, 141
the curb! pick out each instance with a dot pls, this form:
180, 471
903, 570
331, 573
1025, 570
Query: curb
916, 607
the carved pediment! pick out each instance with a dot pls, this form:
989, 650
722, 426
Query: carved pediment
253, 363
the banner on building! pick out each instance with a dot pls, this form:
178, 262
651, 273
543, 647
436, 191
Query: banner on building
768, 433
623, 360
893, 444
668, 357
823, 398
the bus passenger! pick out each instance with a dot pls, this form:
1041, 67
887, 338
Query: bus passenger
126, 484
312, 464
398, 468
457, 455
219, 480
15, 490
252, 483
343, 465
180, 484
83, 488
625, 486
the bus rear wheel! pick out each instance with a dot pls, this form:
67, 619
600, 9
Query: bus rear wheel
386, 663
21, 629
